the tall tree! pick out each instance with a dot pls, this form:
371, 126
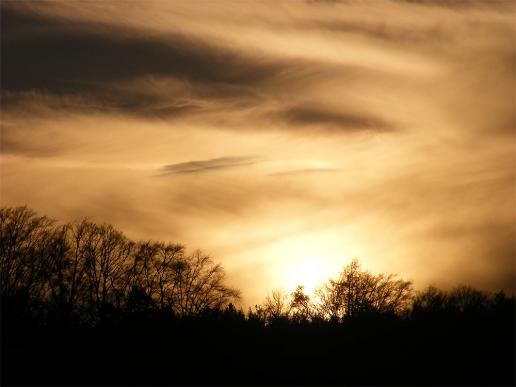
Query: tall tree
277, 305
199, 284
103, 253
357, 292
300, 305
22, 239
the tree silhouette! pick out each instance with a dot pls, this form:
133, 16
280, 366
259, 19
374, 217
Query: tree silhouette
300, 306
357, 292
276, 305
23, 238
199, 285
85, 269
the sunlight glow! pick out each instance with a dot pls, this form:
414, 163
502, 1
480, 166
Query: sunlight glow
314, 258
310, 274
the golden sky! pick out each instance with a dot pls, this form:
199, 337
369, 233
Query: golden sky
284, 138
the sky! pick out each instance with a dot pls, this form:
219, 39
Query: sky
283, 138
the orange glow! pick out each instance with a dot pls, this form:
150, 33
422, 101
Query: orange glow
282, 140
310, 259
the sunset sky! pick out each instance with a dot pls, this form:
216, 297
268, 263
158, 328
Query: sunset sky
283, 138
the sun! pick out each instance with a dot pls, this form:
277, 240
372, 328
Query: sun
309, 259
311, 274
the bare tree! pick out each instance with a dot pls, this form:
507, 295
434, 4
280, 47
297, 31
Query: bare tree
276, 305
330, 303
86, 268
22, 236
140, 272
151, 269
431, 300
166, 256
57, 269
300, 305
198, 284
386, 294
465, 299
104, 254
356, 292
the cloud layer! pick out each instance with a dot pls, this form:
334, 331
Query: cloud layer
311, 132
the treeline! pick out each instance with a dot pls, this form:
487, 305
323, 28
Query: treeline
83, 272
358, 294
83, 304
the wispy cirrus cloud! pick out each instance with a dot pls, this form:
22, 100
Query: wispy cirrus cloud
198, 166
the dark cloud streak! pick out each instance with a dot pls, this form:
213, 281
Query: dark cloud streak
91, 60
198, 166
57, 59
309, 115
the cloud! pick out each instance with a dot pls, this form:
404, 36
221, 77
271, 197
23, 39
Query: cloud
385, 32
14, 142
96, 62
207, 165
68, 56
310, 115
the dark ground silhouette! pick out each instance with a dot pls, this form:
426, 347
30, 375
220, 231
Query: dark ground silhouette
83, 305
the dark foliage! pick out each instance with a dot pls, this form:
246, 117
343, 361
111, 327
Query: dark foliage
83, 305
